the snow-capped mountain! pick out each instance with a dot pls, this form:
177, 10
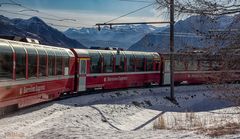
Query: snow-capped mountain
118, 36
193, 32
38, 29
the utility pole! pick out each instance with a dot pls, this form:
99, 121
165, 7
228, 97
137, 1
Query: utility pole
172, 96
171, 22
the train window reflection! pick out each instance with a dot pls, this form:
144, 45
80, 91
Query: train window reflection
95, 62
216, 65
6, 62
20, 62
179, 65
42, 62
130, 62
107, 62
192, 65
65, 62
51, 62
204, 65
59, 62
139, 59
119, 66
32, 62
149, 64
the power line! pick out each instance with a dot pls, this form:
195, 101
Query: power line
57, 25
39, 22
28, 15
180, 34
37, 11
139, 9
27, 10
20, 5
43, 18
5, 3
140, 1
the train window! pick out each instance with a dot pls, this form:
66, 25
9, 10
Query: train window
149, 60
65, 62
42, 62
130, 62
20, 62
119, 67
107, 62
167, 66
192, 65
139, 59
83, 67
157, 61
179, 65
32, 62
6, 62
59, 63
204, 65
231, 63
216, 65
157, 65
95, 62
51, 62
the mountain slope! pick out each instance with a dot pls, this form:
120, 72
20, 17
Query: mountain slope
189, 33
36, 28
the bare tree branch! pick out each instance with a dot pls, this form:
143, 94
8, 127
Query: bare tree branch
203, 7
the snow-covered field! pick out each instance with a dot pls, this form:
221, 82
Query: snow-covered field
203, 112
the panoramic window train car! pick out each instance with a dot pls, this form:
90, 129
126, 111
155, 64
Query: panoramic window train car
111, 69
33, 73
198, 68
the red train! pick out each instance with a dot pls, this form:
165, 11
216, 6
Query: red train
34, 73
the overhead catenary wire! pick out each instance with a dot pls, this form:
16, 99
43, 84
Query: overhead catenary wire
139, 1
20, 5
139, 9
27, 9
6, 3
23, 14
28, 15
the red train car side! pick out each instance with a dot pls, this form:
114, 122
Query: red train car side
199, 68
111, 69
33, 73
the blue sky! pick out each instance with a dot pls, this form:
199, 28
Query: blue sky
85, 12
102, 6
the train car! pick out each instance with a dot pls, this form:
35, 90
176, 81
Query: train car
112, 69
200, 68
33, 73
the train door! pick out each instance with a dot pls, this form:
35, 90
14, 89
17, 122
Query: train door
166, 72
82, 75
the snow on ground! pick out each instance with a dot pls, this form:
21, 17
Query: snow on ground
132, 113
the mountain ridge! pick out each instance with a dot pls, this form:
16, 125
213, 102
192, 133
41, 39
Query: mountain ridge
118, 36
37, 29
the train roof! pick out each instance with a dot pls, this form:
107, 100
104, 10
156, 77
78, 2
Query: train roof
11, 43
87, 52
200, 56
